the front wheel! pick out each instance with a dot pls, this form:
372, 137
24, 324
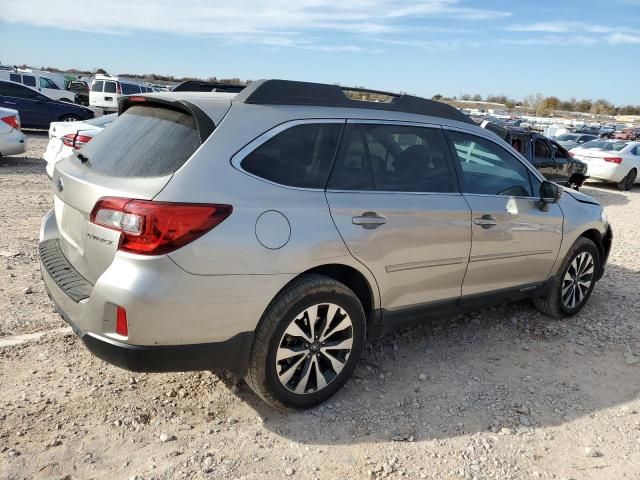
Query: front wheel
307, 343
574, 283
628, 181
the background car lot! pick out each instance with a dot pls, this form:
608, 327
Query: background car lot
501, 393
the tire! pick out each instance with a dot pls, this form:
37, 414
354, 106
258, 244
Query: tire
558, 302
275, 381
69, 118
628, 181
66, 100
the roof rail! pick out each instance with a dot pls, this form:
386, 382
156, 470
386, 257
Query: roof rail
287, 92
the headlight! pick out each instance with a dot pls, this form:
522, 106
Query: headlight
603, 217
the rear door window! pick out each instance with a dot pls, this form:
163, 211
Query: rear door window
300, 156
393, 158
129, 89
97, 86
109, 87
15, 90
145, 141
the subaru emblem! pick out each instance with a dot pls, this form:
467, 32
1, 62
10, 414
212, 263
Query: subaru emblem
60, 184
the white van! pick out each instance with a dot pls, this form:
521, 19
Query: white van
40, 82
105, 91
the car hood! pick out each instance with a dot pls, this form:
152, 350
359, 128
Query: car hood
581, 197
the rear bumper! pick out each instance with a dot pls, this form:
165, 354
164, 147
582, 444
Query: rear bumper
12, 143
231, 354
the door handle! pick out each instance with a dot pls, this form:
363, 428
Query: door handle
486, 221
369, 220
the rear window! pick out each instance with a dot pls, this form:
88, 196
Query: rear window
144, 141
29, 81
97, 86
109, 87
567, 138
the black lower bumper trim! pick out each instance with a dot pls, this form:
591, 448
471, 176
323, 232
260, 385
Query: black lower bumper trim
232, 354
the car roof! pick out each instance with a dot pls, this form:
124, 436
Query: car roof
308, 94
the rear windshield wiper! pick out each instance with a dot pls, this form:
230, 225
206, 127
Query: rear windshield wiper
82, 158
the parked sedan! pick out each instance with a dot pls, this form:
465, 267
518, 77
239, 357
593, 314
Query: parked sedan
67, 137
573, 140
38, 110
615, 161
11, 138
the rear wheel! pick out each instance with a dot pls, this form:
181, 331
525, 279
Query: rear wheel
307, 344
69, 118
627, 182
575, 281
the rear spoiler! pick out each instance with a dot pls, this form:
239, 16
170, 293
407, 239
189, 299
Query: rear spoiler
204, 123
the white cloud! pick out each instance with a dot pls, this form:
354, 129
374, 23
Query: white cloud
249, 17
561, 27
624, 39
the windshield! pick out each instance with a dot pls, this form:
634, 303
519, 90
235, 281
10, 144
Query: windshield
567, 138
605, 145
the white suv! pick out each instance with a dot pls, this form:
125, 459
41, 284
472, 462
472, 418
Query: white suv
41, 83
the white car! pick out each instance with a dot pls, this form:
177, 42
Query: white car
66, 137
105, 91
40, 82
616, 161
12, 140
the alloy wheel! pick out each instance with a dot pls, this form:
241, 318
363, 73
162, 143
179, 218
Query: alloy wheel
577, 280
314, 348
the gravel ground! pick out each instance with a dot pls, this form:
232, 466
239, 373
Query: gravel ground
503, 393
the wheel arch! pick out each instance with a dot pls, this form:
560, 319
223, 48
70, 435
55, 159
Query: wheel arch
603, 244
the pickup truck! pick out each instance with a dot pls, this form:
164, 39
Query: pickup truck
548, 156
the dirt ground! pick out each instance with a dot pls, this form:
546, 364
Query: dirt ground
503, 393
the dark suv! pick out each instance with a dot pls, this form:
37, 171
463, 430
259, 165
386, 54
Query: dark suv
548, 156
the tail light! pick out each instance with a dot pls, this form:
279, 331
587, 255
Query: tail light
572, 154
156, 228
118, 88
616, 160
12, 121
122, 325
75, 140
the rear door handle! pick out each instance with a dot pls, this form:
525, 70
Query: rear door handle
369, 220
486, 221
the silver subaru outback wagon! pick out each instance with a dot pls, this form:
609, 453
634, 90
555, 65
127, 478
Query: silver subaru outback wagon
271, 232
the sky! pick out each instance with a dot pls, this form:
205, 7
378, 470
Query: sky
566, 48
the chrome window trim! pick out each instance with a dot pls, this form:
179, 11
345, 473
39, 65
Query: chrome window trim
261, 139
398, 192
403, 123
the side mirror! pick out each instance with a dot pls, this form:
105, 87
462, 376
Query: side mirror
549, 193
